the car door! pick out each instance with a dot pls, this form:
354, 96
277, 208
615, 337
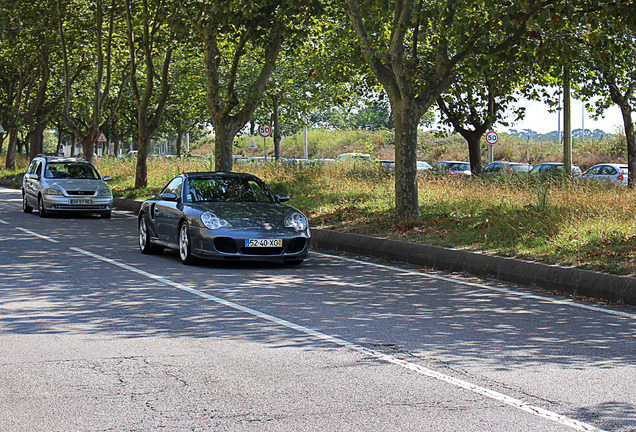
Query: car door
167, 213
593, 173
608, 173
32, 183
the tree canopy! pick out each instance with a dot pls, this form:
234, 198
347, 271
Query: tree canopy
142, 66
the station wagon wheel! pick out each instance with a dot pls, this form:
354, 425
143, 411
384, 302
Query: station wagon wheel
25, 205
145, 246
41, 209
185, 248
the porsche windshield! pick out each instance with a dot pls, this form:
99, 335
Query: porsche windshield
227, 189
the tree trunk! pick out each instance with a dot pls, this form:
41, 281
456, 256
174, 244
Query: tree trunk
474, 152
143, 150
13, 142
626, 111
88, 143
277, 134
223, 140
407, 208
567, 124
179, 143
36, 138
58, 150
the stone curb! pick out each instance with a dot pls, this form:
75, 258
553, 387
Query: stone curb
127, 204
620, 289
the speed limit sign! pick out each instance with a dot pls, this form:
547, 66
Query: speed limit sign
264, 130
492, 137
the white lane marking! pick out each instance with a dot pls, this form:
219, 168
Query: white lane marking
52, 240
519, 404
4, 222
564, 302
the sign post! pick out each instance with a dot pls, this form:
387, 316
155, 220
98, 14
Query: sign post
265, 130
102, 140
252, 147
492, 137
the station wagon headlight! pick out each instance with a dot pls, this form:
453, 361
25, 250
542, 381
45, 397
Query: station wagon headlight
106, 192
52, 191
213, 222
296, 220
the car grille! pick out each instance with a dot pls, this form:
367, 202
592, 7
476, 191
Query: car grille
296, 245
80, 193
225, 245
262, 250
79, 207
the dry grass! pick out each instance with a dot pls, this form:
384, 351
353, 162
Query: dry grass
560, 222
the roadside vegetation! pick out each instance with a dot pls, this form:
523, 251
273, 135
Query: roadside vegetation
558, 221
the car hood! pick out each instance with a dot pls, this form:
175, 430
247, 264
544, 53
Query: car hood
247, 214
77, 184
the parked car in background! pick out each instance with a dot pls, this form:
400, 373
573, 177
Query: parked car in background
226, 216
554, 168
322, 160
423, 166
608, 172
54, 184
506, 168
452, 168
387, 163
355, 156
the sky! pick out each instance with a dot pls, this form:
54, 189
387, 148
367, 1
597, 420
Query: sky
539, 119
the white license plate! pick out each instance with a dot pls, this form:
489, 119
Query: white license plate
81, 201
263, 242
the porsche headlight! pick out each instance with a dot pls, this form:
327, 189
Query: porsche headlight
296, 220
213, 222
52, 191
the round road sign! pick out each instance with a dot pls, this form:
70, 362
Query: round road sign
264, 130
492, 137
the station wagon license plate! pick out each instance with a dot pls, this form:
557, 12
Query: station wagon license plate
81, 201
263, 242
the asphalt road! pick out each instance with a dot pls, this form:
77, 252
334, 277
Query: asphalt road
95, 336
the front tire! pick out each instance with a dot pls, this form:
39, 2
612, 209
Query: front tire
25, 205
41, 209
185, 246
145, 246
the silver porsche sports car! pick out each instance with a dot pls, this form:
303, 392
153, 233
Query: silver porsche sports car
228, 216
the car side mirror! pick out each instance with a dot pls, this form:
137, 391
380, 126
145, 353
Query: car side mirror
107, 178
283, 197
168, 196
